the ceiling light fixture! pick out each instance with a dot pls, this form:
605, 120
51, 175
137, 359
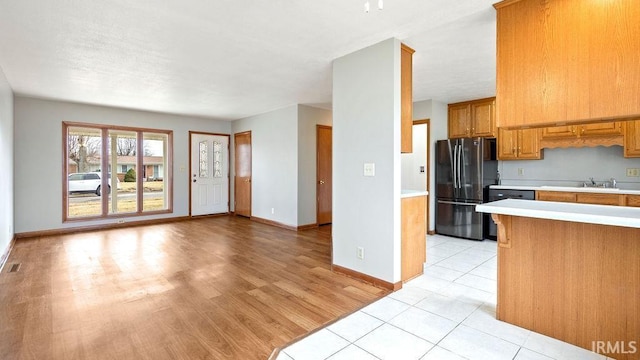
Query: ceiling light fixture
367, 6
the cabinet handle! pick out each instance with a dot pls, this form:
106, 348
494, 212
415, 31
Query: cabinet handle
582, 131
573, 129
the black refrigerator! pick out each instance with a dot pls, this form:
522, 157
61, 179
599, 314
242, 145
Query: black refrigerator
464, 168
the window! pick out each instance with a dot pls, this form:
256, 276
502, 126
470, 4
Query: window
136, 161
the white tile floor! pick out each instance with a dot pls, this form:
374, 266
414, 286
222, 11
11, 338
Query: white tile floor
447, 313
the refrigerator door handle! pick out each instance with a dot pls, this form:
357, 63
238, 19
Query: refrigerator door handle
459, 166
454, 165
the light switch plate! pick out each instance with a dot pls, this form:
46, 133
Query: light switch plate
369, 169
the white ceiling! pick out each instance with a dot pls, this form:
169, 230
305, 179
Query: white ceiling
228, 59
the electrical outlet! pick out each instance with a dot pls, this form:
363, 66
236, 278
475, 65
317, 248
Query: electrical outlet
273, 210
360, 253
120, 221
633, 172
520, 171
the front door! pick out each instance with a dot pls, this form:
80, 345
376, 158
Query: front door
324, 174
209, 174
242, 179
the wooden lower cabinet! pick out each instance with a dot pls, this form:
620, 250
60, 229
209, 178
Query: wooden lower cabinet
559, 196
575, 282
414, 236
632, 200
589, 198
600, 199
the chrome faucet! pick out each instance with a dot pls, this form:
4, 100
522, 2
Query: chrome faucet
614, 183
593, 183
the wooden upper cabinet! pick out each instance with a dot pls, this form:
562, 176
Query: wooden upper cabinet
519, 144
600, 129
406, 96
483, 118
573, 131
529, 144
632, 139
472, 118
459, 120
507, 144
566, 61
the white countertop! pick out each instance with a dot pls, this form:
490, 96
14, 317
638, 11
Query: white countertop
584, 213
567, 189
405, 193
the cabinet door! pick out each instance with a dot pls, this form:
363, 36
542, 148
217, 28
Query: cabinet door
406, 96
529, 144
459, 120
566, 61
632, 139
483, 118
559, 196
600, 199
507, 144
559, 132
633, 200
597, 129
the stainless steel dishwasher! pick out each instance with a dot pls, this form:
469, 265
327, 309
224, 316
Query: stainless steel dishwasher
501, 194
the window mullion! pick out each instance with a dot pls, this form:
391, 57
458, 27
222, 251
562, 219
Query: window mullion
104, 164
140, 172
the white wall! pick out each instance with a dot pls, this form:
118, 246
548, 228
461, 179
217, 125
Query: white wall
6, 164
366, 129
438, 113
39, 156
571, 167
308, 118
412, 178
274, 146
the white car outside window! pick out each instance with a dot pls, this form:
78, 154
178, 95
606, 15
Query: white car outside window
86, 183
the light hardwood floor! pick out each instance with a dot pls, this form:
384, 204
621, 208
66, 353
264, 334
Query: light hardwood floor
213, 288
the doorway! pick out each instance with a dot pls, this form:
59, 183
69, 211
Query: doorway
242, 178
324, 173
209, 169
416, 166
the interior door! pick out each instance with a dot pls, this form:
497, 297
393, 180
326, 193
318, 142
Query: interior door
242, 179
324, 183
209, 174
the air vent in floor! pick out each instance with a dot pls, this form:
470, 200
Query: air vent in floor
15, 268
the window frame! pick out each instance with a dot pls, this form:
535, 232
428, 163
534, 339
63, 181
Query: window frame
104, 164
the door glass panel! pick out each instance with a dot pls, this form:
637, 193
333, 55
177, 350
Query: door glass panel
154, 161
122, 158
203, 159
84, 148
217, 159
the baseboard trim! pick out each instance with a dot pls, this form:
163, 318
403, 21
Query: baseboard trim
273, 223
307, 227
5, 256
431, 232
367, 278
73, 230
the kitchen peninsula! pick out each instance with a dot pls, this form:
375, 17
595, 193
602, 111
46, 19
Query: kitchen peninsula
570, 271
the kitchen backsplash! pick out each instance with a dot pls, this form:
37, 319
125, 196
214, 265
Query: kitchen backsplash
572, 167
